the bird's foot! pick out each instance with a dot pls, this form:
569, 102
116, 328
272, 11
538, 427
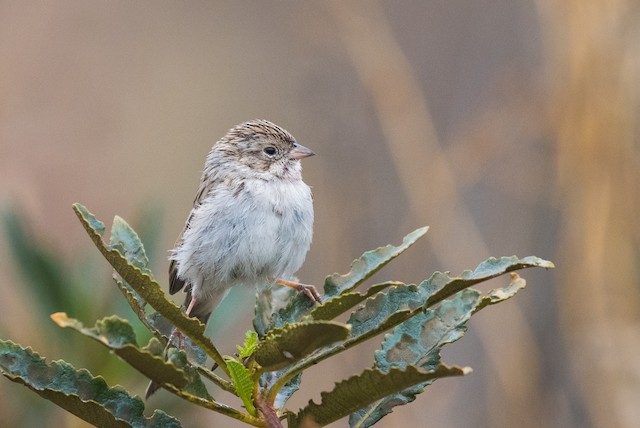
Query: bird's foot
175, 335
309, 290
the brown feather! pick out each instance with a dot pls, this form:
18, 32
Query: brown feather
175, 284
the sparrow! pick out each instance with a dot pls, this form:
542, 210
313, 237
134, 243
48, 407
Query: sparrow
251, 221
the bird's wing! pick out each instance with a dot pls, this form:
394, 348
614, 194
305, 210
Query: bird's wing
175, 282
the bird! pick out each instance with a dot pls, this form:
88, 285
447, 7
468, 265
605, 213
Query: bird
251, 221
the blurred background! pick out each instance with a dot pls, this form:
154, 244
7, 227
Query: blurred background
509, 127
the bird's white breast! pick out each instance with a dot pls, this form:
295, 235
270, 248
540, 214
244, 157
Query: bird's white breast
247, 233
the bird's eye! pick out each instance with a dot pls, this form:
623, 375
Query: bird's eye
270, 150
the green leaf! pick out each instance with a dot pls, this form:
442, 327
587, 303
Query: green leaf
124, 239
361, 390
378, 310
417, 342
149, 289
296, 307
195, 386
338, 305
441, 286
283, 347
501, 294
137, 304
368, 264
243, 383
117, 335
287, 390
249, 345
77, 391
361, 269
388, 309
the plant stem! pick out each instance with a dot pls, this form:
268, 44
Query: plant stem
270, 415
217, 407
223, 384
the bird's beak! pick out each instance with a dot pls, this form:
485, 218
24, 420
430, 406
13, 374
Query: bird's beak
300, 152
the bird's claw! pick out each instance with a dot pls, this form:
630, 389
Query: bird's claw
309, 290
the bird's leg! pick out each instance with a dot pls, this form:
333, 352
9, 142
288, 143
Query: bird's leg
192, 303
177, 334
307, 289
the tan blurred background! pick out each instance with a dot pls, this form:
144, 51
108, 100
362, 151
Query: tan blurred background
510, 127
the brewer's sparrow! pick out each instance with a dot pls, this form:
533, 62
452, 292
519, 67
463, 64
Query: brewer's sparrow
251, 221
